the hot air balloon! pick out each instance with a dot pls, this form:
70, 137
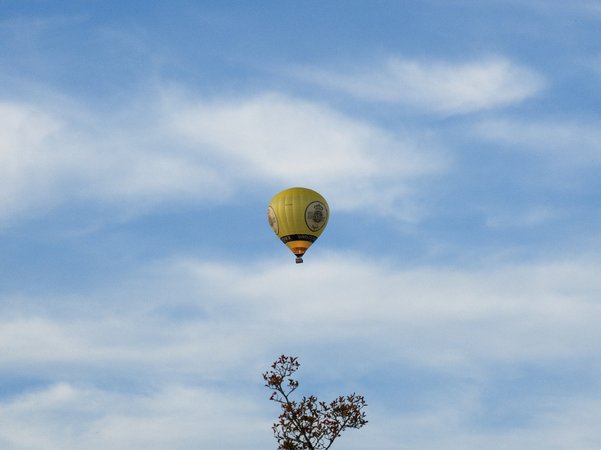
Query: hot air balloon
298, 216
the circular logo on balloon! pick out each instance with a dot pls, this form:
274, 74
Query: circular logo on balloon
316, 216
273, 220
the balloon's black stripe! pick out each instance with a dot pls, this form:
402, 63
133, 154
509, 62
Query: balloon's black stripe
298, 237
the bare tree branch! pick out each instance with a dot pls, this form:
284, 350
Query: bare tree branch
309, 424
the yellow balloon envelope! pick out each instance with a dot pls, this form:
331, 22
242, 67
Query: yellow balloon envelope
298, 216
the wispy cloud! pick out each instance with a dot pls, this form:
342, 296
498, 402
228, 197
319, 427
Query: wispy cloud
198, 150
458, 325
437, 86
74, 416
48, 159
288, 141
521, 218
437, 318
24, 165
568, 142
452, 423
444, 317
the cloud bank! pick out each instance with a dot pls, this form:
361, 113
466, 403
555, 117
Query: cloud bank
177, 149
193, 344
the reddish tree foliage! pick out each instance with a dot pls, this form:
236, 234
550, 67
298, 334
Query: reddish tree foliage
309, 424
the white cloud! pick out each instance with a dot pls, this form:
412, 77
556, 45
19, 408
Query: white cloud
48, 159
440, 87
452, 423
286, 141
432, 317
196, 372
177, 150
26, 166
437, 317
70, 417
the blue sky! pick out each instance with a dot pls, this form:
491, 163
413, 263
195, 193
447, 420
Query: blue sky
142, 292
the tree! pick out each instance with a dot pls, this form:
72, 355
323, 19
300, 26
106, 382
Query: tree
309, 424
